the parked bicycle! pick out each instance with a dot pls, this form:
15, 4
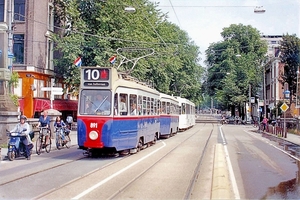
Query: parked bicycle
62, 138
41, 142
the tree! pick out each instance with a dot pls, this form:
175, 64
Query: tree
98, 29
234, 64
289, 48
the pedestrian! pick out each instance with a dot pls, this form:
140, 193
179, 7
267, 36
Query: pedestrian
265, 123
69, 121
26, 140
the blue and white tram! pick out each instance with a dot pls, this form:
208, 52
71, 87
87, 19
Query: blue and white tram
169, 116
187, 118
115, 112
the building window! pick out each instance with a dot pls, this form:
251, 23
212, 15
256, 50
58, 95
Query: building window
1, 10
18, 49
50, 55
51, 17
19, 11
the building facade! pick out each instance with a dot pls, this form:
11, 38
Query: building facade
274, 84
32, 23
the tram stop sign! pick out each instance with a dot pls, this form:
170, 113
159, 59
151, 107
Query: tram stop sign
284, 107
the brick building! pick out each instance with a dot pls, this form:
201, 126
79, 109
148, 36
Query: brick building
33, 21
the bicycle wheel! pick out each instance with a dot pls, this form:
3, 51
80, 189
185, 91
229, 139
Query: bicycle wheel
48, 145
68, 140
39, 145
58, 140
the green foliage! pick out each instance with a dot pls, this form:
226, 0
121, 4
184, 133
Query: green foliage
99, 29
14, 80
13, 83
15, 99
277, 110
290, 47
234, 64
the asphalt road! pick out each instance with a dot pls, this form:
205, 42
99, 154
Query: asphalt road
207, 161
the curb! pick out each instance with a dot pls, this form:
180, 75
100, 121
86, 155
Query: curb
221, 187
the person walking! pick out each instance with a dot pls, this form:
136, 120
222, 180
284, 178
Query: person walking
265, 123
69, 121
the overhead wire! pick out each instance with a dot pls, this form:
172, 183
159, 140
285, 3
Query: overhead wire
120, 39
175, 13
151, 24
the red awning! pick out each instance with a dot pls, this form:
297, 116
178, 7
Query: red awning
69, 105
60, 105
21, 104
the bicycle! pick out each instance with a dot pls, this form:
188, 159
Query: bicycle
62, 138
41, 141
255, 123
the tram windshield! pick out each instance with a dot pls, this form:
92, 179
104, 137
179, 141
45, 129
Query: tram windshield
95, 102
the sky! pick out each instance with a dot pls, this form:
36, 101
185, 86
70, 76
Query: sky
204, 20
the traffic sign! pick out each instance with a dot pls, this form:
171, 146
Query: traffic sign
284, 107
53, 89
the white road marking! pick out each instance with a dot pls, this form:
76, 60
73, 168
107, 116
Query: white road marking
230, 169
82, 194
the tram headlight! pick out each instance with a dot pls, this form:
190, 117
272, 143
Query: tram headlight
93, 135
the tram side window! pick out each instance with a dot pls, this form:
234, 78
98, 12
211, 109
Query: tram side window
183, 111
188, 109
123, 104
140, 105
156, 107
168, 107
179, 110
148, 106
172, 109
144, 105
163, 107
133, 104
152, 106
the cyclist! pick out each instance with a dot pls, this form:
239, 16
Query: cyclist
44, 121
59, 123
26, 140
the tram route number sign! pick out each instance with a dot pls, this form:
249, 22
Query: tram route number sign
96, 74
284, 107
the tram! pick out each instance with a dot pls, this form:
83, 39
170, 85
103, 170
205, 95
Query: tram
115, 111
169, 115
187, 118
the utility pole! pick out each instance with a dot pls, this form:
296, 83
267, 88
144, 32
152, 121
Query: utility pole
264, 83
250, 107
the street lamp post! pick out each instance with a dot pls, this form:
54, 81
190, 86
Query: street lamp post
264, 91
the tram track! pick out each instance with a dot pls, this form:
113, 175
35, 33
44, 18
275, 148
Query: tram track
110, 169
193, 178
43, 170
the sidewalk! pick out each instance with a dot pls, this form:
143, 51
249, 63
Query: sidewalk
73, 136
293, 138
